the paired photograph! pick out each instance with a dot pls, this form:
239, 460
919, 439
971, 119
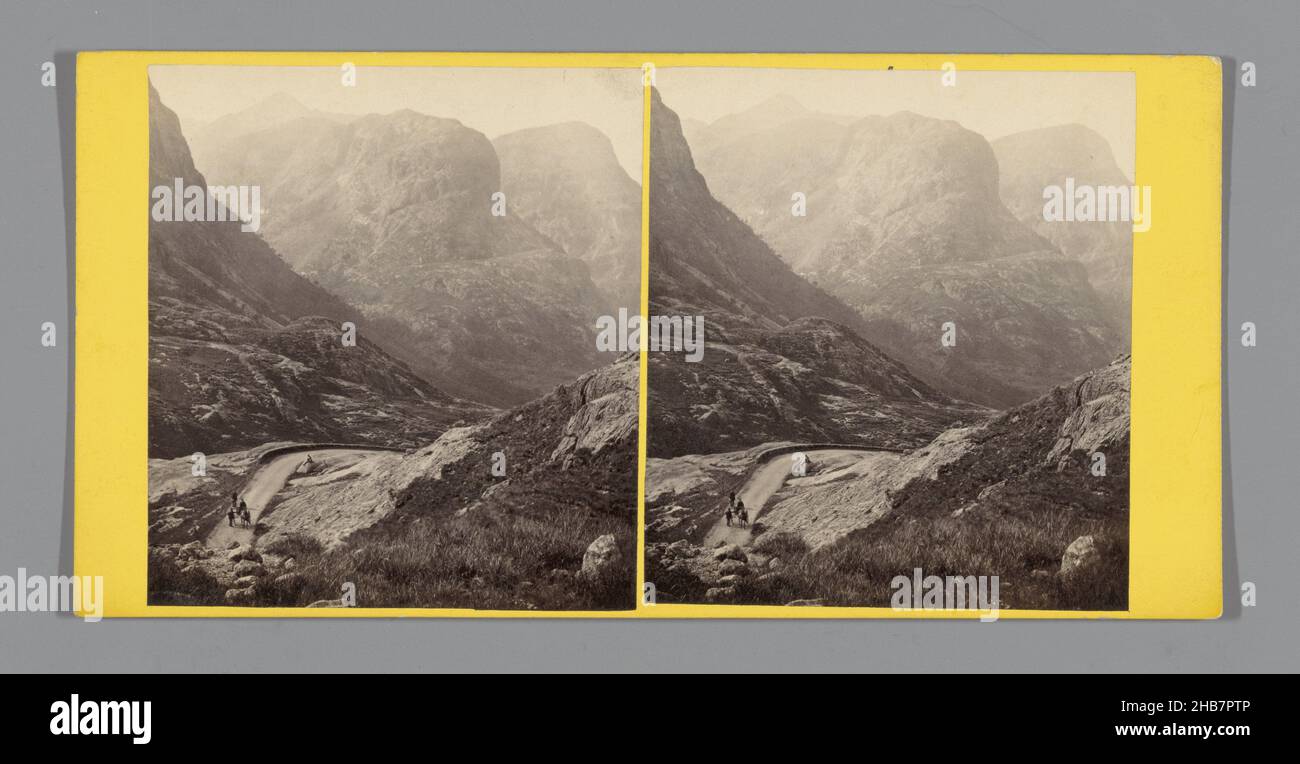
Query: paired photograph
374, 377
895, 308
914, 390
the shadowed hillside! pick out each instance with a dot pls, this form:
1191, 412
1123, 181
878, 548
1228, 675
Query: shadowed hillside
784, 360
243, 350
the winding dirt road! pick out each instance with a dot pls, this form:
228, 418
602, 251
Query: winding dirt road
767, 480
262, 487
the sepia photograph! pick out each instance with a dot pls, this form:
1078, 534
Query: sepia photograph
915, 290
374, 371
615, 337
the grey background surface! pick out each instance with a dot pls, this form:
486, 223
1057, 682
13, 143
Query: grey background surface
1262, 420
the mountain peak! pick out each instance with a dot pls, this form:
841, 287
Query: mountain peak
271, 111
281, 98
275, 108
781, 102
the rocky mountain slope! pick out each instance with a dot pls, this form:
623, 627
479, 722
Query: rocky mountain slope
1033, 458
1018, 497
905, 224
394, 212
435, 527
243, 350
573, 449
565, 181
581, 435
784, 359
1032, 160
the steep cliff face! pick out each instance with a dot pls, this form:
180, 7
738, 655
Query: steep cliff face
702, 255
399, 214
565, 181
784, 360
1035, 159
243, 350
902, 190
904, 222
215, 264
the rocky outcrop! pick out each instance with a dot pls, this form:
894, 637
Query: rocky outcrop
1098, 417
732, 553
244, 553
1034, 458
1004, 497
345, 498
241, 596
248, 568
688, 572
576, 445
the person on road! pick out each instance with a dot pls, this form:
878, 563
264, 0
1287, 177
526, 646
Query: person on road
727, 514
742, 513
230, 516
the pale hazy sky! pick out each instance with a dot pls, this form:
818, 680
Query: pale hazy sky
493, 101
993, 104
501, 100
